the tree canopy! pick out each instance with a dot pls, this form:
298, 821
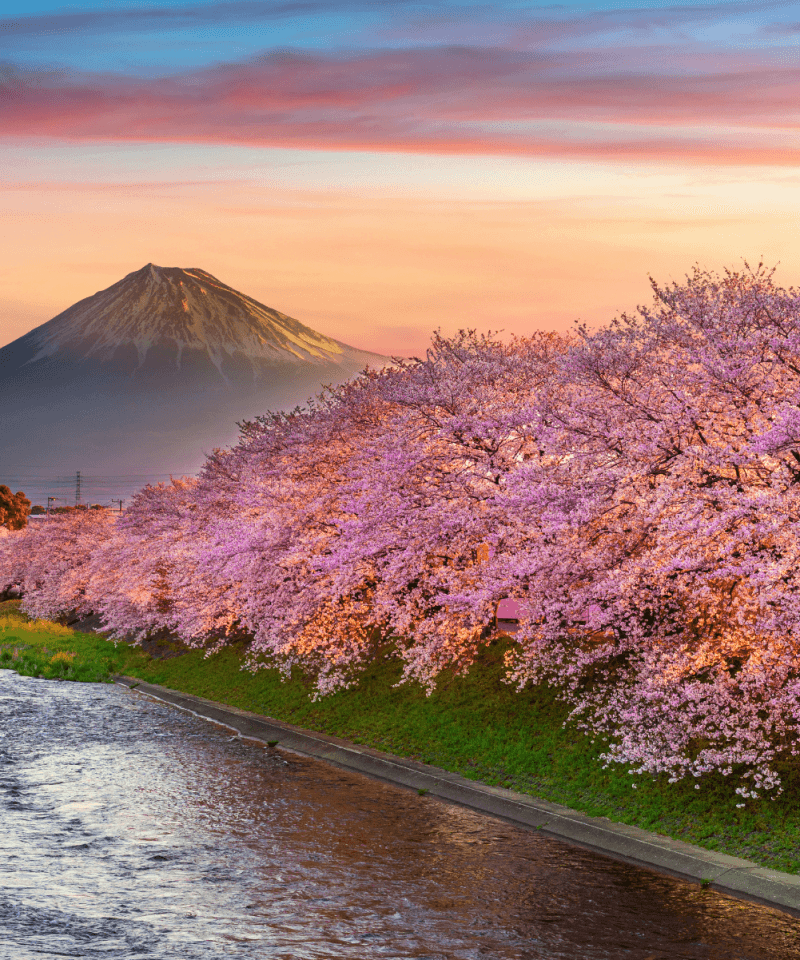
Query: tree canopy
14, 508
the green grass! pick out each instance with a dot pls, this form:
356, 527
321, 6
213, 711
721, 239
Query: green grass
475, 725
40, 648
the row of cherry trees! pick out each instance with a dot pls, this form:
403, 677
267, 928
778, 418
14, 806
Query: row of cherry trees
636, 486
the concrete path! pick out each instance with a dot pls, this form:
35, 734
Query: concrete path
740, 878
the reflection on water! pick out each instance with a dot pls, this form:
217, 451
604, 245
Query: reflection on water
132, 830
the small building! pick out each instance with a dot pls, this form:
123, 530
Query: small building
509, 613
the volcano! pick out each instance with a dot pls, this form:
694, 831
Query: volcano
145, 377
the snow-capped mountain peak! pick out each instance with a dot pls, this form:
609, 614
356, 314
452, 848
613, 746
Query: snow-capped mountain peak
178, 310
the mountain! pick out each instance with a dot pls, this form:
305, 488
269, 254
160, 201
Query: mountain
166, 322
144, 377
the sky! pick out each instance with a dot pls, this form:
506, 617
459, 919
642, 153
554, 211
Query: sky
382, 169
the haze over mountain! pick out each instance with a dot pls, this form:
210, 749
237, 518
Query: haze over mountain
144, 377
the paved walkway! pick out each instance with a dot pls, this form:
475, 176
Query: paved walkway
731, 875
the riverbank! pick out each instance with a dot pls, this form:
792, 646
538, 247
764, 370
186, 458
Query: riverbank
475, 727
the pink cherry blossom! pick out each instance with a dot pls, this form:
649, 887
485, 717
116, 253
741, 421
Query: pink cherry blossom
631, 495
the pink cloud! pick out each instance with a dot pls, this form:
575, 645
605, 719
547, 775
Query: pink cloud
449, 100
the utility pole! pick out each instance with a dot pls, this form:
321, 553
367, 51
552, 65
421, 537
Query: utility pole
120, 502
48, 505
77, 488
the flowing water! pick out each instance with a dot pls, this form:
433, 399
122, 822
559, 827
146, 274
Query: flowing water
132, 830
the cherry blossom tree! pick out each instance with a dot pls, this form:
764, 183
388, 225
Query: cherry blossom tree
287, 481
139, 577
663, 590
51, 562
425, 496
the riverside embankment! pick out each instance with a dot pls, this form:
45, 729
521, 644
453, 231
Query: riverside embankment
474, 727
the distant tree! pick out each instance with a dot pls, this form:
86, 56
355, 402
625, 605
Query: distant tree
14, 508
37, 510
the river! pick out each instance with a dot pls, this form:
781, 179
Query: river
132, 830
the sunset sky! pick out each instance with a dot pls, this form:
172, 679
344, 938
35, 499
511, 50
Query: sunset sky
380, 169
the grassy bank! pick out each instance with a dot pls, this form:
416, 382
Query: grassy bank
474, 725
